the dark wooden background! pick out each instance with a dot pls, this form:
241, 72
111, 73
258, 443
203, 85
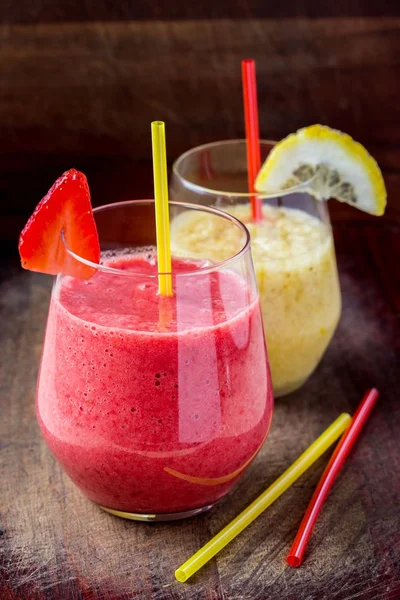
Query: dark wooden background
80, 83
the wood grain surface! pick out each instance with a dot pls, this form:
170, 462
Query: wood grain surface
47, 11
54, 544
80, 90
80, 87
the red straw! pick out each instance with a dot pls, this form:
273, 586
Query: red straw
295, 556
252, 132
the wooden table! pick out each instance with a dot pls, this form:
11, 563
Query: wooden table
54, 544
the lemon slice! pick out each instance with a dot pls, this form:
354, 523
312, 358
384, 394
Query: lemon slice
330, 164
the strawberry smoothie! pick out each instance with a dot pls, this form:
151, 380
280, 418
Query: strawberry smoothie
154, 405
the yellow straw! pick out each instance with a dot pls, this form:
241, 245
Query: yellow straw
162, 211
317, 448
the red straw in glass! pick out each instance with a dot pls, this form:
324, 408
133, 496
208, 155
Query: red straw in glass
252, 132
295, 556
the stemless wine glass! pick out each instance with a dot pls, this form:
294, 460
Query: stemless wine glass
292, 249
155, 405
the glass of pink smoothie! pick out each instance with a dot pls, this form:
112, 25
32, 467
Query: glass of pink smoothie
155, 406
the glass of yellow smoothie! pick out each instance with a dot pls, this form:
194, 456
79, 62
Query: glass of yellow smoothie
292, 249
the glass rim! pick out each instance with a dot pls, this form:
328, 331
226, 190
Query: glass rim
245, 247
195, 187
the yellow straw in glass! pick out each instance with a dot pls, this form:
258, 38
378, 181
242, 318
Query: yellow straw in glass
162, 209
313, 452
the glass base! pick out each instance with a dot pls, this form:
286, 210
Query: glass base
158, 517
288, 389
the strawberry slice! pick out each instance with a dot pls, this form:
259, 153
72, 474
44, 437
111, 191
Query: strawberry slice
65, 208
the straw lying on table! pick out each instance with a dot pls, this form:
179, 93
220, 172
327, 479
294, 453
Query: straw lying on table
249, 84
321, 444
162, 209
342, 450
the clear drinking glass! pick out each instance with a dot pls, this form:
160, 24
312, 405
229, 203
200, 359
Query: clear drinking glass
154, 405
292, 249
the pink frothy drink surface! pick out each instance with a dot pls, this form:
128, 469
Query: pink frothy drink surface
152, 404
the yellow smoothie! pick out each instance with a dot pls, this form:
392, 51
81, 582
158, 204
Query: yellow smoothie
295, 264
